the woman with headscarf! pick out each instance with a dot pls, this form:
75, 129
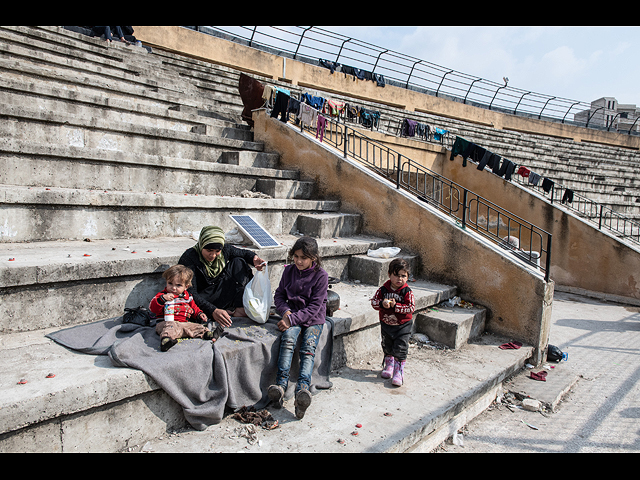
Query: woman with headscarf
221, 272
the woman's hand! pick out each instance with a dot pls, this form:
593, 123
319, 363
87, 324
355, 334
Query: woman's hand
222, 317
259, 263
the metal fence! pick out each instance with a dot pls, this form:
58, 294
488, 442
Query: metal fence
310, 44
469, 209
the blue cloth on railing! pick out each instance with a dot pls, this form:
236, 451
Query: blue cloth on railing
369, 118
439, 132
315, 102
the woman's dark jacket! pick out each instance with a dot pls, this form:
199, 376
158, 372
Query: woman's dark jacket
225, 290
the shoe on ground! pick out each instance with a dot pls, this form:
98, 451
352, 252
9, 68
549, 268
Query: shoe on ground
303, 400
276, 395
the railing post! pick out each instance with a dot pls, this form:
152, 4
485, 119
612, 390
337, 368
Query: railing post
548, 262
600, 220
345, 141
464, 208
398, 171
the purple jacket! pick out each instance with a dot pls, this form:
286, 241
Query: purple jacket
304, 293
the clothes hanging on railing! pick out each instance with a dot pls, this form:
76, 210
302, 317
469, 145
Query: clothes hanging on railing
333, 107
361, 74
524, 171
332, 66
322, 123
507, 169
369, 118
315, 102
460, 147
409, 128
440, 132
308, 115
568, 196
267, 95
547, 184
422, 131
534, 178
280, 106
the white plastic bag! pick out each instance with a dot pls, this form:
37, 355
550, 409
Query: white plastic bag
233, 236
257, 299
385, 252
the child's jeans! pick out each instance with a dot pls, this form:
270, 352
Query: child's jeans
288, 341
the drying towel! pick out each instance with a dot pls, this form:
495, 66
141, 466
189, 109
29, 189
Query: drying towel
236, 372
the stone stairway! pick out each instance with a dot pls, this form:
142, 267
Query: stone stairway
113, 159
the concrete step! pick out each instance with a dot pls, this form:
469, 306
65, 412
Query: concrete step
286, 188
41, 282
375, 271
88, 394
30, 164
39, 214
328, 225
452, 326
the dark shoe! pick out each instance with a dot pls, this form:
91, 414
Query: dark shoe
303, 400
166, 343
276, 395
208, 335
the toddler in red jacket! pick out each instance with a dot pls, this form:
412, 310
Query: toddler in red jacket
176, 308
395, 303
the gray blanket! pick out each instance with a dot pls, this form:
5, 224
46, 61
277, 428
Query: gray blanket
236, 372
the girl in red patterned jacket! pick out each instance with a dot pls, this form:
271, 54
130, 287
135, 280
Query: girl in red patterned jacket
394, 301
176, 307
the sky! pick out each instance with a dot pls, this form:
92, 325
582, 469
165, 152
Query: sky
580, 63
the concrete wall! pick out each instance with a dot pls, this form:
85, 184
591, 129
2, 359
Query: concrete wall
518, 299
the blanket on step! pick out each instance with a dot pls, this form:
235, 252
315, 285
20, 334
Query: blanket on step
203, 377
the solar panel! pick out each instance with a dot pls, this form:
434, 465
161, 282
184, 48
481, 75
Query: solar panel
252, 229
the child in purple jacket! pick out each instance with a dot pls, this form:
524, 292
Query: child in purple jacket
301, 299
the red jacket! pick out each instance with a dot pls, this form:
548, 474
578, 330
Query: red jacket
404, 308
184, 307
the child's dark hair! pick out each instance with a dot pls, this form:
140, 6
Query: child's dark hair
398, 264
309, 248
184, 273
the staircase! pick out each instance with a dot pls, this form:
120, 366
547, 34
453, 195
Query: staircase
114, 158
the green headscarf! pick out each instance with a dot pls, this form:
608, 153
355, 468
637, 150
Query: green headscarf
209, 235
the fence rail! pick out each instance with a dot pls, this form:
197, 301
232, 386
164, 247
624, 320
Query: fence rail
469, 209
310, 44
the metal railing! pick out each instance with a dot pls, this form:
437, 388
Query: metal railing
597, 214
469, 209
310, 44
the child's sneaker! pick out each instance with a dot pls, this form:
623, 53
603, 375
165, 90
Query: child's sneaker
303, 400
398, 374
389, 365
276, 395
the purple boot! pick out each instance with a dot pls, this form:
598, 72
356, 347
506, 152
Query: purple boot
389, 365
398, 373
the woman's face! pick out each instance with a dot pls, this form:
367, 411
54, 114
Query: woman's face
210, 255
301, 261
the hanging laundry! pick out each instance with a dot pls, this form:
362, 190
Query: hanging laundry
369, 118
496, 164
524, 171
267, 94
294, 107
308, 115
280, 106
333, 108
322, 123
460, 147
379, 79
422, 130
487, 159
547, 184
568, 196
328, 64
439, 133
534, 178
506, 169
409, 128
352, 112
315, 102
